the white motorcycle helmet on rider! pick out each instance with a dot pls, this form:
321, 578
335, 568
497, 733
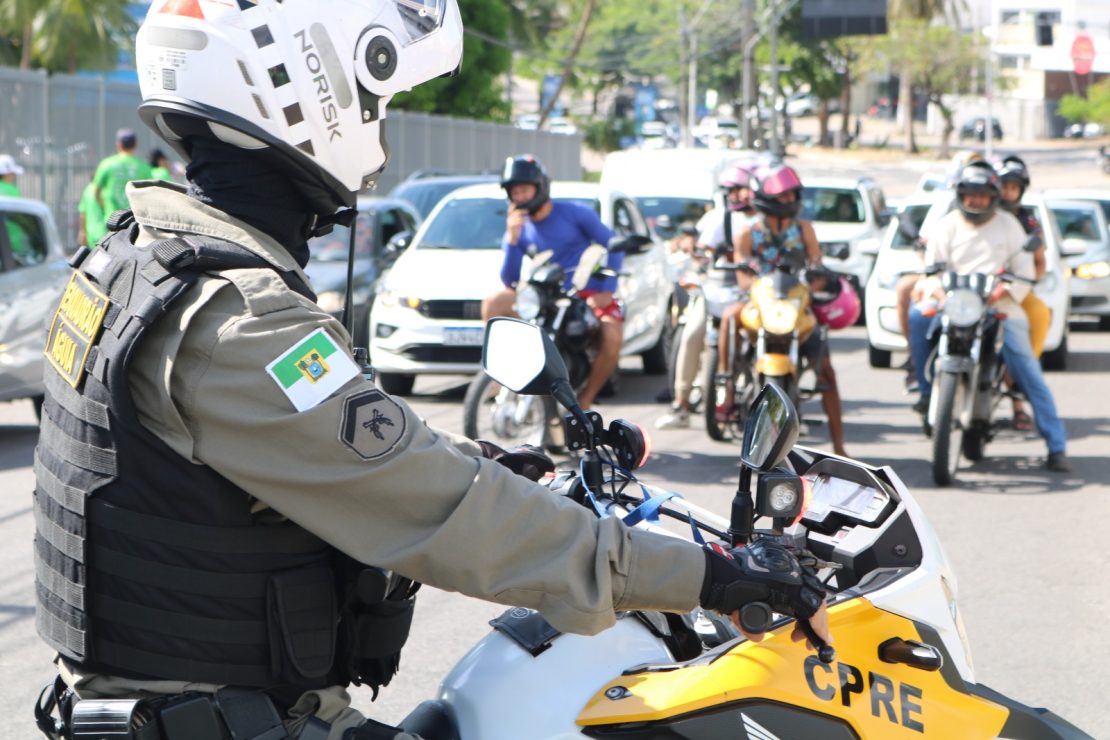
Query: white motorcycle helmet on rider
307, 82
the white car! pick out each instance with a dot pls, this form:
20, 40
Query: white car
923, 209
849, 216
427, 317
33, 272
1082, 220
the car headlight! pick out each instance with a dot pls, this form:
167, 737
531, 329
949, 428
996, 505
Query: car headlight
1093, 270
963, 307
330, 301
836, 250
390, 299
527, 305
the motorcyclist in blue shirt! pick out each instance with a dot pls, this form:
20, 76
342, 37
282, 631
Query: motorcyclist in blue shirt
535, 224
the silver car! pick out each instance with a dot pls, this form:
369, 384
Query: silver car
33, 272
1082, 217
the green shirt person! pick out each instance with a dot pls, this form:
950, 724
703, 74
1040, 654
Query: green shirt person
17, 239
159, 165
93, 221
114, 172
9, 170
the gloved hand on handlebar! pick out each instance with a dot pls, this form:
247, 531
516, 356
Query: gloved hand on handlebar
763, 571
527, 460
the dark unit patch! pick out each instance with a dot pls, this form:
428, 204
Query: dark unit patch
372, 424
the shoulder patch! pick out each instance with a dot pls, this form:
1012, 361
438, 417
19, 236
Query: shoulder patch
312, 369
372, 424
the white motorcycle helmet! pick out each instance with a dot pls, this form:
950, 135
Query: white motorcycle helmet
303, 81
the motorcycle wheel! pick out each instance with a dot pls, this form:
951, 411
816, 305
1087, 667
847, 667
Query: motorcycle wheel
494, 413
714, 394
947, 435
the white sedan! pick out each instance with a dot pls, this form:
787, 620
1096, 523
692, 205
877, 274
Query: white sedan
896, 254
427, 316
1082, 219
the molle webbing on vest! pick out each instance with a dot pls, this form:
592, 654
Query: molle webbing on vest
147, 565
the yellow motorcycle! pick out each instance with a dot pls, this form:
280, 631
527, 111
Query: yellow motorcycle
776, 321
901, 667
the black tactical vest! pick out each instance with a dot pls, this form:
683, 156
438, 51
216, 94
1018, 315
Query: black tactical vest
149, 566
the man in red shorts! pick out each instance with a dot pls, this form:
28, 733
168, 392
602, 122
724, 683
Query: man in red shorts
536, 224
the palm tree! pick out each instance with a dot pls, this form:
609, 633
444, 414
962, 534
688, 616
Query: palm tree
67, 35
922, 10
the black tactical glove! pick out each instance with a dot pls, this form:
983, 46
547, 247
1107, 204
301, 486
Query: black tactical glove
527, 460
762, 571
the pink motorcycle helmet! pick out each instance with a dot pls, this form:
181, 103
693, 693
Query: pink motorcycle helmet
736, 177
837, 305
773, 182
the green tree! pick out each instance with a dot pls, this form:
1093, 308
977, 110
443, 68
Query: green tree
1094, 107
65, 35
477, 91
918, 10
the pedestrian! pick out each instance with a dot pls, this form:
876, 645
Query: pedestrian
230, 514
159, 165
9, 170
114, 172
91, 219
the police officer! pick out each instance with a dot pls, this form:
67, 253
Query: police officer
214, 475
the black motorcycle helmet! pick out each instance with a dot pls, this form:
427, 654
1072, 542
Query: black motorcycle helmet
1013, 169
527, 169
978, 177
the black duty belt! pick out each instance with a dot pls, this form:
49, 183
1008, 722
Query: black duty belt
229, 714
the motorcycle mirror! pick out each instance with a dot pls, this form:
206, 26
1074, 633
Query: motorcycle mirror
770, 431
591, 259
521, 357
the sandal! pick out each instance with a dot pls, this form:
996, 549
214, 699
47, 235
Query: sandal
1022, 422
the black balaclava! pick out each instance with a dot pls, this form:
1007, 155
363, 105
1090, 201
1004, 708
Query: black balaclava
244, 185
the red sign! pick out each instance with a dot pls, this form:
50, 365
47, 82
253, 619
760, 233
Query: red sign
1082, 53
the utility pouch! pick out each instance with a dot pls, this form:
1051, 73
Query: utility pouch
376, 635
96, 719
301, 620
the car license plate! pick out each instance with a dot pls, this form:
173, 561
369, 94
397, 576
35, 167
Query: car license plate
464, 336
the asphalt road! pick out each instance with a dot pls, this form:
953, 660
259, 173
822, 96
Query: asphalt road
1026, 545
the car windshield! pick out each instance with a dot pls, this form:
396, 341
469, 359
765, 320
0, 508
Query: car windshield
1078, 222
334, 246
474, 223
424, 195
834, 205
677, 210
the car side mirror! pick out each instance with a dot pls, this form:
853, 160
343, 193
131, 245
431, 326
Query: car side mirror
907, 229
631, 244
398, 243
770, 431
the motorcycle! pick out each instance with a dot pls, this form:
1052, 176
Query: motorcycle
495, 413
968, 373
901, 668
776, 321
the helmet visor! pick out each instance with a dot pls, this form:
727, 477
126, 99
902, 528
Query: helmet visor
421, 17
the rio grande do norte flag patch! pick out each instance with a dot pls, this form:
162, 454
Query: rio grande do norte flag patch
311, 370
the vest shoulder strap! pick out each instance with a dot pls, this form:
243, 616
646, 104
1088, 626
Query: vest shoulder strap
262, 290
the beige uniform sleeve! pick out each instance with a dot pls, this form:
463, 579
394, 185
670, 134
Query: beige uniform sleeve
407, 497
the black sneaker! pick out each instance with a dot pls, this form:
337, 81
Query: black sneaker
1058, 463
922, 405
